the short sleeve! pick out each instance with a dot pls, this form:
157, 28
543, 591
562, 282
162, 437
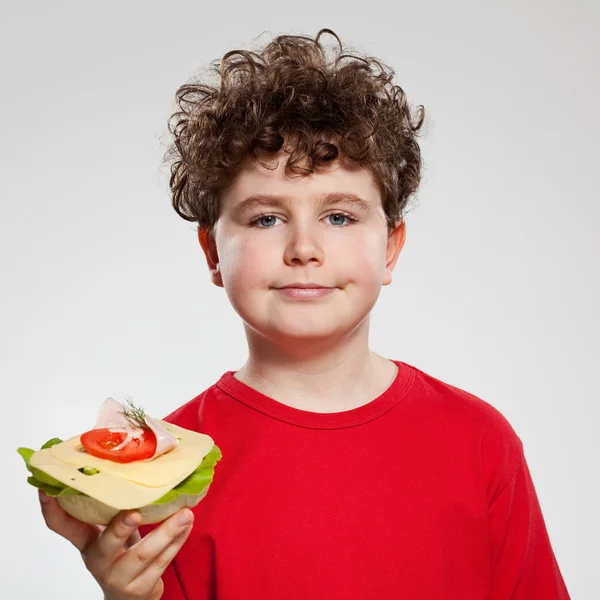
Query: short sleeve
523, 564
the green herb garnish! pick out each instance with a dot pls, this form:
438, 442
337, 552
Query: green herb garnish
134, 414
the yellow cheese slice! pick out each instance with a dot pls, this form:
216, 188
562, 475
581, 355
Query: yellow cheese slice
167, 469
117, 492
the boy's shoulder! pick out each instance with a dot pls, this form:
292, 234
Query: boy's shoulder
451, 398
188, 412
500, 447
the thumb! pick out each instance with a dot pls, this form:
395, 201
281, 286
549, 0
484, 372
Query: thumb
80, 534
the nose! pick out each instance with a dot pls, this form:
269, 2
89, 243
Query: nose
302, 247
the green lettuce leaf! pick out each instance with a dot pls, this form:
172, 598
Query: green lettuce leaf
193, 484
42, 480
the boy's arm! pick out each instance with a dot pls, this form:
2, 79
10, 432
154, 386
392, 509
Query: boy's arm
522, 560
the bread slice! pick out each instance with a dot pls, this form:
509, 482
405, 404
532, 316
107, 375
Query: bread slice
89, 510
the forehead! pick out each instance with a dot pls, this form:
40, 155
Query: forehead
342, 176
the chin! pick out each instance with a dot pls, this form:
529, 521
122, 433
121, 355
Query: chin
294, 328
297, 335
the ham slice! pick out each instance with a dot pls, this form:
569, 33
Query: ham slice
165, 441
111, 417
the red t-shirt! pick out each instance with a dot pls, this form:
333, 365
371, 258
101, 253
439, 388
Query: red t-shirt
423, 493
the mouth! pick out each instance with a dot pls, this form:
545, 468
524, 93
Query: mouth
305, 291
305, 286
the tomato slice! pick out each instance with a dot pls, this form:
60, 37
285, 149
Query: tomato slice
100, 443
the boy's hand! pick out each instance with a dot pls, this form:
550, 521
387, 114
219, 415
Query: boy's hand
124, 565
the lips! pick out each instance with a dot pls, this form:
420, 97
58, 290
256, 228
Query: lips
305, 291
305, 286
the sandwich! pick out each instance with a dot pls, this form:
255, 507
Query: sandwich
128, 460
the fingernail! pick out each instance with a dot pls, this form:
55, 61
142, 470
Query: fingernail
129, 521
184, 518
43, 497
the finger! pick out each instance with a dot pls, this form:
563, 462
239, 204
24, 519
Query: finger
134, 538
114, 538
145, 582
78, 533
147, 553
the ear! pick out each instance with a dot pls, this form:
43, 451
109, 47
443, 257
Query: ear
396, 238
207, 241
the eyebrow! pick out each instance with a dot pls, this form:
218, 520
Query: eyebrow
268, 200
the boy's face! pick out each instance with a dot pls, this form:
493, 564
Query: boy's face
327, 229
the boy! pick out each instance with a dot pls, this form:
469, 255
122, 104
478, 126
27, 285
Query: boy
344, 475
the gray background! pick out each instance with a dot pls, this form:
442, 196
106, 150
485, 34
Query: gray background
105, 291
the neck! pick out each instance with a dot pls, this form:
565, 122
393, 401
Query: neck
320, 376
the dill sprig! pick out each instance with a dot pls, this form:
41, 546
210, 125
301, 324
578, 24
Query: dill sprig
134, 414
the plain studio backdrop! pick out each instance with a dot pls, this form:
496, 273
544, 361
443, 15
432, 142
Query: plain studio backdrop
105, 291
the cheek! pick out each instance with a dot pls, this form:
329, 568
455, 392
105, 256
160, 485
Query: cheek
363, 260
245, 264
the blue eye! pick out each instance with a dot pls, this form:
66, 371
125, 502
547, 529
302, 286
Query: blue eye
338, 217
335, 219
265, 221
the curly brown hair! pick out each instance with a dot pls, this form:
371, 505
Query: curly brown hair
292, 92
